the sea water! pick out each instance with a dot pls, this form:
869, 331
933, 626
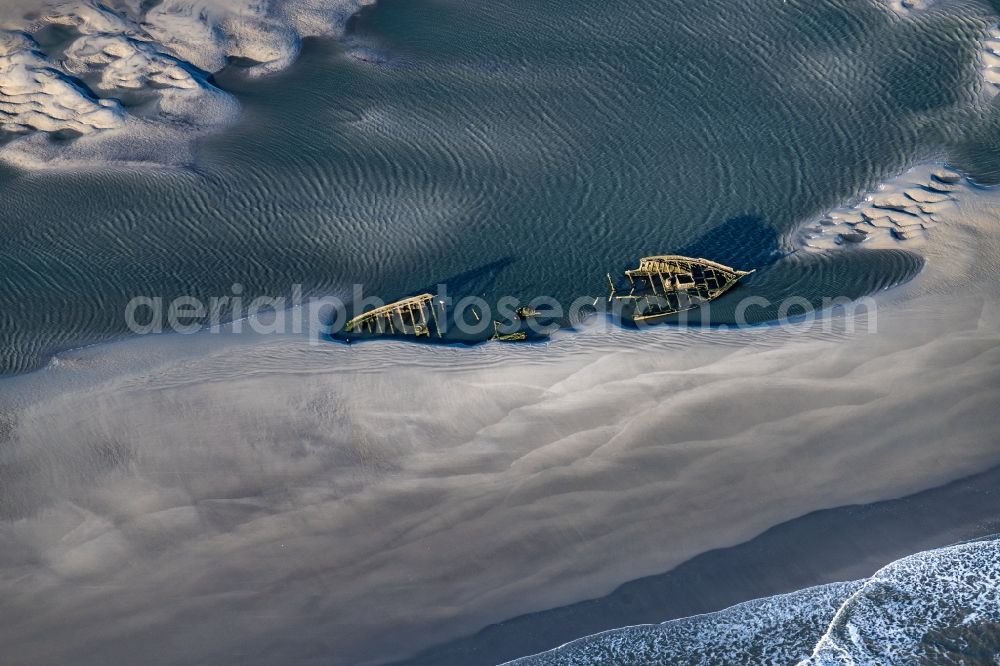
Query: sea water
512, 148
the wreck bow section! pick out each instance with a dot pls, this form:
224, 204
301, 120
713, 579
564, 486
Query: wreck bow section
414, 316
667, 284
426, 316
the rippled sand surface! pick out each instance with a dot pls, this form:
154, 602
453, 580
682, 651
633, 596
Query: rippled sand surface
933, 607
501, 148
335, 495
268, 498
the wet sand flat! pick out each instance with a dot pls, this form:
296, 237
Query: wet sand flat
843, 544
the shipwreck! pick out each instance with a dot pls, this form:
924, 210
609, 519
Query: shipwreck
661, 286
424, 316
667, 284
411, 316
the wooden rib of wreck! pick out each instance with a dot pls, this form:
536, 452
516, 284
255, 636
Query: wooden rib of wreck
411, 316
516, 336
667, 284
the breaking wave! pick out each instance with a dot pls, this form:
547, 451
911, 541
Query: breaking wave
938, 607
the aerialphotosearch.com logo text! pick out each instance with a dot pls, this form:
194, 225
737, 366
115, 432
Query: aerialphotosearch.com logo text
473, 316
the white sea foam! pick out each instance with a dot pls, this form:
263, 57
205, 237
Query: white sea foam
778, 630
162, 52
939, 607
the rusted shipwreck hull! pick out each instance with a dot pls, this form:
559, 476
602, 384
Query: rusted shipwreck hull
665, 285
415, 316
661, 286
421, 317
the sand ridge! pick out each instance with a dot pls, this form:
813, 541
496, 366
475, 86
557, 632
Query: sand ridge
165, 53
